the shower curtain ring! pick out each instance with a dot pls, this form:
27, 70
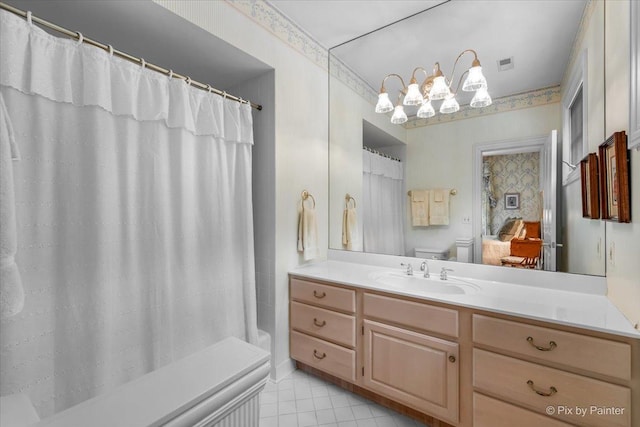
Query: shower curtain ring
188, 80
110, 50
29, 17
170, 74
143, 63
209, 88
224, 94
80, 37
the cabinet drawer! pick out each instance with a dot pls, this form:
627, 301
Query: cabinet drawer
574, 350
323, 355
337, 327
323, 295
412, 314
515, 380
489, 412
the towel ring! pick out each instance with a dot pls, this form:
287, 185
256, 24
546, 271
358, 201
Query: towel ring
305, 195
347, 199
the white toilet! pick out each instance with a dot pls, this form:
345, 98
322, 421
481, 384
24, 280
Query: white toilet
430, 253
17, 411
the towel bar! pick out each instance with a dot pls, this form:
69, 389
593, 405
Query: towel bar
453, 192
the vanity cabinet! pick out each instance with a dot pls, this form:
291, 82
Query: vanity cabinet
463, 366
548, 371
402, 350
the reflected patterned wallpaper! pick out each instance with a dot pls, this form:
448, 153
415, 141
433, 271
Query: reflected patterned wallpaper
515, 173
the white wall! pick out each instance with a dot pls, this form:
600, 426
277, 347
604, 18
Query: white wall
301, 134
583, 238
348, 110
441, 156
623, 240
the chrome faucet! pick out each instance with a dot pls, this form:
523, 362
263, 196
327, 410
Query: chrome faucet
409, 268
443, 273
425, 267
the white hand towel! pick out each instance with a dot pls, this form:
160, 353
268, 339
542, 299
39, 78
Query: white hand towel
308, 233
439, 207
11, 292
349, 228
419, 208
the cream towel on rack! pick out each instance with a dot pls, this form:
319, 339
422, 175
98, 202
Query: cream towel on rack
349, 228
11, 292
307, 233
439, 207
419, 208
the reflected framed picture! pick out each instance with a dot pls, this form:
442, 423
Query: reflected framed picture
615, 203
590, 193
512, 200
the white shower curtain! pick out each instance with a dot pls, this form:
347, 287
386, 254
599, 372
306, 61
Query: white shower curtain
382, 214
134, 219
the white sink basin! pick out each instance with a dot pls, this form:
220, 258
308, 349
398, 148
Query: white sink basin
402, 281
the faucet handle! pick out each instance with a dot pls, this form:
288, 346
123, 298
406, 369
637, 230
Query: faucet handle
443, 273
409, 268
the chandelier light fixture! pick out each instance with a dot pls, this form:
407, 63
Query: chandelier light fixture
435, 87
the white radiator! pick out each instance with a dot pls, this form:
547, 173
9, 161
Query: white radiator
218, 386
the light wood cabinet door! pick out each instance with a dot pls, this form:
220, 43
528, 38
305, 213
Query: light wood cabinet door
412, 368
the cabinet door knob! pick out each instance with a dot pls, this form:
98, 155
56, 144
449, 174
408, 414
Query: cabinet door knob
552, 345
317, 295
452, 359
319, 356
319, 324
551, 392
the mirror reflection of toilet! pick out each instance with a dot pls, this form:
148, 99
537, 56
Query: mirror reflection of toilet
17, 411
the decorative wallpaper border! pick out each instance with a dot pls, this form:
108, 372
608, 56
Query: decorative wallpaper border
534, 98
582, 28
342, 72
270, 18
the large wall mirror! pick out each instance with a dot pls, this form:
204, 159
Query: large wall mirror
485, 168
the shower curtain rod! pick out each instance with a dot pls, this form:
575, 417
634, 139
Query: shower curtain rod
76, 35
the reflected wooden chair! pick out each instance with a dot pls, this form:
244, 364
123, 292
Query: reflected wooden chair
524, 253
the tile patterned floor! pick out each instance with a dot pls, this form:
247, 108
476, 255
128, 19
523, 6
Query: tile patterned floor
302, 400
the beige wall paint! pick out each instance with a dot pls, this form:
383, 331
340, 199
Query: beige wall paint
623, 240
301, 134
441, 156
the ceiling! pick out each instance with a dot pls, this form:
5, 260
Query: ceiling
538, 34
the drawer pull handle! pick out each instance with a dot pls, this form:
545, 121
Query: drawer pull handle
318, 324
319, 356
552, 345
551, 392
319, 296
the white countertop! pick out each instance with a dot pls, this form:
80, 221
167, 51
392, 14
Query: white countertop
583, 310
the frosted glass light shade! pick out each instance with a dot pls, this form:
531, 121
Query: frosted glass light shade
413, 96
399, 116
439, 90
426, 110
481, 99
384, 104
449, 105
475, 80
